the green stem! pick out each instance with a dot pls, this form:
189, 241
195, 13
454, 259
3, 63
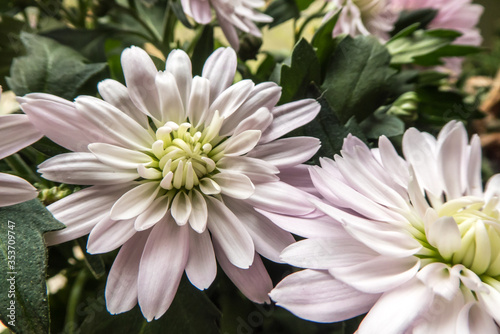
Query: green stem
17, 164
319, 13
74, 300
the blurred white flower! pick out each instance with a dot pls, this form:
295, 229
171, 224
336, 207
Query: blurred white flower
232, 15
176, 166
414, 242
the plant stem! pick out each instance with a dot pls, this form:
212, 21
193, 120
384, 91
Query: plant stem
74, 300
17, 164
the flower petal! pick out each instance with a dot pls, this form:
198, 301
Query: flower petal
179, 64
181, 208
198, 100
234, 185
117, 156
135, 201
162, 265
109, 234
228, 101
317, 296
15, 190
199, 214
219, 69
156, 211
16, 132
241, 143
287, 152
201, 267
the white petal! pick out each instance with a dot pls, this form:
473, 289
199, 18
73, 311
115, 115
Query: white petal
121, 286
257, 170
109, 234
179, 64
15, 190
162, 265
444, 234
135, 201
232, 98
140, 73
268, 238
198, 100
118, 157
219, 69
290, 116
172, 106
235, 185
253, 282
199, 213
440, 279
181, 208
16, 132
156, 211
228, 230
287, 152
260, 120
474, 181
117, 95
242, 143
473, 319
201, 267
317, 296
81, 211
83, 168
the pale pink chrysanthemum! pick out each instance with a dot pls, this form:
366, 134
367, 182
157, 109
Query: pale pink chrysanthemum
176, 166
460, 15
16, 132
232, 15
415, 242
363, 17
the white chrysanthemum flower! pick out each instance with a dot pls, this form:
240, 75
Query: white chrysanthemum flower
16, 132
363, 17
176, 166
414, 242
231, 15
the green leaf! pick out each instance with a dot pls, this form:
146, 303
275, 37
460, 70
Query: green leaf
23, 262
322, 40
357, 78
406, 49
203, 49
380, 123
303, 70
50, 67
434, 58
179, 13
191, 312
10, 45
409, 17
282, 11
303, 4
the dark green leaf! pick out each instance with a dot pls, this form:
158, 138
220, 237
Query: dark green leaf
380, 123
23, 262
190, 313
322, 40
434, 58
179, 13
282, 11
420, 16
50, 67
357, 78
304, 4
203, 49
303, 70
10, 45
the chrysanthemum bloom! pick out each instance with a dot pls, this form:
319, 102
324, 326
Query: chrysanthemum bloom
363, 17
459, 15
414, 242
176, 166
232, 15
16, 132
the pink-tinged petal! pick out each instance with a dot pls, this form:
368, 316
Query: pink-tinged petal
140, 73
259, 120
61, 122
156, 211
118, 96
253, 282
179, 64
474, 181
198, 100
317, 296
181, 208
279, 197
320, 227
201, 267
396, 166
490, 299
121, 286
325, 253
287, 152
263, 95
16, 132
299, 177
241, 143
162, 265
442, 317
83, 168
230, 234
378, 274
219, 69
114, 123
406, 303
201, 11
135, 201
290, 116
234, 185
15, 190
268, 238
171, 103
118, 157
229, 30
257, 170
232, 98
199, 214
473, 319
81, 211
109, 234
439, 277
